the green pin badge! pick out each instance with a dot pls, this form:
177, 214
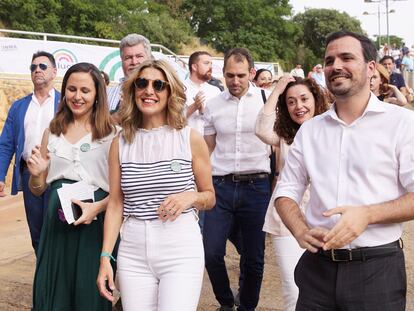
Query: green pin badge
85, 147
175, 166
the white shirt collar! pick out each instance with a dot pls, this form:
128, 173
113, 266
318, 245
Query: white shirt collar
374, 106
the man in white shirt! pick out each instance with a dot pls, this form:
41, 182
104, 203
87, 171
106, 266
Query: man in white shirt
298, 71
361, 189
134, 50
241, 165
26, 121
198, 90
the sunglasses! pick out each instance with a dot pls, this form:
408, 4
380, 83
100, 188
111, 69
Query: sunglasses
158, 85
42, 66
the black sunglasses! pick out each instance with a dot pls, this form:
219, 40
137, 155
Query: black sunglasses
41, 66
158, 85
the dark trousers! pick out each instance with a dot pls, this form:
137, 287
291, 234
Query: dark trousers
371, 285
35, 208
246, 203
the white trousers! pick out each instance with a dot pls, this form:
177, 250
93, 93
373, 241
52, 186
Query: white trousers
288, 253
161, 265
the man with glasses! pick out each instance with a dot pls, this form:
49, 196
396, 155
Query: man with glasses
26, 121
134, 50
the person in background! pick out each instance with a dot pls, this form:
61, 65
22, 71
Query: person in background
105, 76
241, 166
292, 102
198, 90
74, 148
395, 78
26, 121
263, 78
134, 49
382, 88
160, 173
298, 71
319, 76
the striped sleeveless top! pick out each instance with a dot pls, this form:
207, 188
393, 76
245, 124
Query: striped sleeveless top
157, 164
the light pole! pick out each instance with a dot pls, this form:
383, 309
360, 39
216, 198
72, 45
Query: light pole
386, 12
379, 23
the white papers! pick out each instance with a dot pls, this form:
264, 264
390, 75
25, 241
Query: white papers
80, 190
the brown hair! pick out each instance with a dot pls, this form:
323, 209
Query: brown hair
385, 79
284, 126
240, 54
194, 58
100, 119
131, 117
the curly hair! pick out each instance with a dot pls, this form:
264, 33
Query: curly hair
132, 118
284, 126
100, 119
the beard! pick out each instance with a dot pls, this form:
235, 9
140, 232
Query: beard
205, 77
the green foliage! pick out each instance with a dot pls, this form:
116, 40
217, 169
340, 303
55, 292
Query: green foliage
109, 19
393, 39
262, 26
317, 24
265, 27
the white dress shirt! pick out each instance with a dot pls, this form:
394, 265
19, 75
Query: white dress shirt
238, 150
36, 120
196, 120
367, 162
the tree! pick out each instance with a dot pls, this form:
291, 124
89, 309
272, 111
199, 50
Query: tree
393, 39
262, 26
317, 24
109, 19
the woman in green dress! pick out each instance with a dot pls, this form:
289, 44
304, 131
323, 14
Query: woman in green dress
74, 148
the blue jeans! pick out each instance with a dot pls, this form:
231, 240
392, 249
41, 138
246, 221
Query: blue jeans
35, 208
245, 203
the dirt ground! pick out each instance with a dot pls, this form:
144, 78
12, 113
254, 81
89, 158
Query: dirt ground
17, 263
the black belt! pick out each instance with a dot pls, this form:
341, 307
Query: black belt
361, 254
243, 177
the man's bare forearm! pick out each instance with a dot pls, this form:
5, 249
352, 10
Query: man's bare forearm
394, 211
291, 216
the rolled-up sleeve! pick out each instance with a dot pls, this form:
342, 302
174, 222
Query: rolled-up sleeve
264, 128
294, 178
406, 156
209, 128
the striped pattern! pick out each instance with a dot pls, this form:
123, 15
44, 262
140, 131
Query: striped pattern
146, 185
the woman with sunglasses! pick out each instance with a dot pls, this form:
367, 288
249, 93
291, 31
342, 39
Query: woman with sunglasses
74, 148
155, 166
292, 102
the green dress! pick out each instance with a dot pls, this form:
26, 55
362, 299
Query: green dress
68, 261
